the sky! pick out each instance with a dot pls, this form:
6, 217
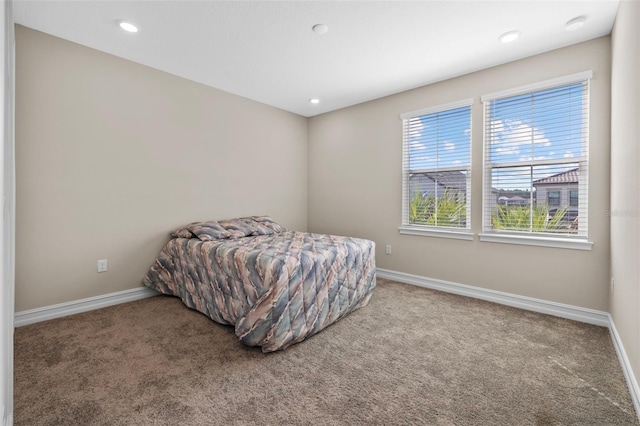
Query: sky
441, 140
543, 126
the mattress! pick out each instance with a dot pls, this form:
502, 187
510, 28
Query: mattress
276, 290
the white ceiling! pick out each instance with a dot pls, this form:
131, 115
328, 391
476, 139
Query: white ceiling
266, 50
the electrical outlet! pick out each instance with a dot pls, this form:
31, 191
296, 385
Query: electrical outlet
102, 265
388, 249
613, 284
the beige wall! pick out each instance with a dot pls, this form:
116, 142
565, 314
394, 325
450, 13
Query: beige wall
110, 155
625, 179
7, 74
355, 181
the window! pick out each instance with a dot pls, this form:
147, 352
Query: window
436, 168
573, 198
536, 159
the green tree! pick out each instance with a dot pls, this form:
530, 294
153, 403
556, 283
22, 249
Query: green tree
448, 210
518, 218
418, 209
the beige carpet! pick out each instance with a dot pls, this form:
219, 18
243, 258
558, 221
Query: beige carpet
413, 356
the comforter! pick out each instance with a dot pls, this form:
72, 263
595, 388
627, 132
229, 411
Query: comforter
276, 290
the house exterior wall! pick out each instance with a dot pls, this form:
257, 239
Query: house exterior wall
542, 193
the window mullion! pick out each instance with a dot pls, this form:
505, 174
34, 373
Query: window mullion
533, 156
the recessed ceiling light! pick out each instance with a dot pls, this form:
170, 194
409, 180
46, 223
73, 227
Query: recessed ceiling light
127, 26
314, 101
509, 36
575, 23
320, 28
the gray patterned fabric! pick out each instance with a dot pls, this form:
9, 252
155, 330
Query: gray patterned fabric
181, 232
207, 231
238, 228
269, 223
276, 290
258, 228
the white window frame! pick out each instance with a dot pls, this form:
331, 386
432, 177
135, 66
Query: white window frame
426, 230
578, 242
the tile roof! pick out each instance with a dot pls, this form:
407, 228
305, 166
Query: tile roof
453, 179
570, 176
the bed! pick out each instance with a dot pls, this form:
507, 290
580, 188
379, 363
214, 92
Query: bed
276, 287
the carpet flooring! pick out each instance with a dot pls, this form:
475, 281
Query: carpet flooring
412, 356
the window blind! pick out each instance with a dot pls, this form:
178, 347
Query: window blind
536, 160
436, 166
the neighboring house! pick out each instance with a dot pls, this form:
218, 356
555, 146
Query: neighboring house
559, 190
516, 200
435, 183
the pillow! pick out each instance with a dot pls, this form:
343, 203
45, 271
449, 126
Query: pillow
207, 231
237, 228
269, 223
257, 228
181, 232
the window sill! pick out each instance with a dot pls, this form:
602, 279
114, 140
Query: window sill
460, 234
530, 240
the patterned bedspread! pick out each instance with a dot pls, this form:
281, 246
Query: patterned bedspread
275, 289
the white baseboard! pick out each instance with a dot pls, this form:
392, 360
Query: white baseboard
69, 308
634, 388
8, 420
576, 313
